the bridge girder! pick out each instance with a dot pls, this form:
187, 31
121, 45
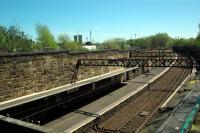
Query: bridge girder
137, 62
155, 58
148, 62
135, 54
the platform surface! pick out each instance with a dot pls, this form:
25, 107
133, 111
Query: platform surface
74, 120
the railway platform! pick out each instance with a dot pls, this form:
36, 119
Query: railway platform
81, 117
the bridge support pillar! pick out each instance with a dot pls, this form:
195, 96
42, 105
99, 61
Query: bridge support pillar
143, 71
93, 85
123, 77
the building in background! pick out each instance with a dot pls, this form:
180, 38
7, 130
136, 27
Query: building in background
75, 38
90, 46
78, 38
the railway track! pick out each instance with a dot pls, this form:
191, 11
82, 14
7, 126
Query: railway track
47, 111
140, 110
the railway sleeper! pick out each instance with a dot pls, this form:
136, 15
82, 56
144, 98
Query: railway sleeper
101, 129
104, 130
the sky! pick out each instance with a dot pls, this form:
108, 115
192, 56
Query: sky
106, 19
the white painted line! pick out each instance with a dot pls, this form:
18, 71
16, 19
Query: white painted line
171, 96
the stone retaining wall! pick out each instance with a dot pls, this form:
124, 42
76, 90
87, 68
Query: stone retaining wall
27, 73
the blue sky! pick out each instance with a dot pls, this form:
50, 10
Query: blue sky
106, 18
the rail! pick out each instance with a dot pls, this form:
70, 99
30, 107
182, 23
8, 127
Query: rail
153, 95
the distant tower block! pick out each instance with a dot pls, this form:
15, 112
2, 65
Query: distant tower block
90, 36
80, 40
75, 39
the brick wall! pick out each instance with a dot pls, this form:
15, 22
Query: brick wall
27, 73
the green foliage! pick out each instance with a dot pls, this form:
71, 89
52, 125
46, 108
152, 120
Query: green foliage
45, 37
36, 47
72, 46
65, 43
63, 38
198, 37
144, 42
183, 41
160, 40
117, 43
14, 40
197, 40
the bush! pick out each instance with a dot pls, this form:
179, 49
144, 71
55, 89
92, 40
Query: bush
72, 46
14, 40
45, 37
117, 43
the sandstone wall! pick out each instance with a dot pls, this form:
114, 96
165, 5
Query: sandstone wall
23, 74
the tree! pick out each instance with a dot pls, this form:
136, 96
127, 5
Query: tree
198, 37
183, 41
144, 42
197, 40
160, 40
65, 43
12, 39
62, 40
45, 37
116, 43
72, 46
